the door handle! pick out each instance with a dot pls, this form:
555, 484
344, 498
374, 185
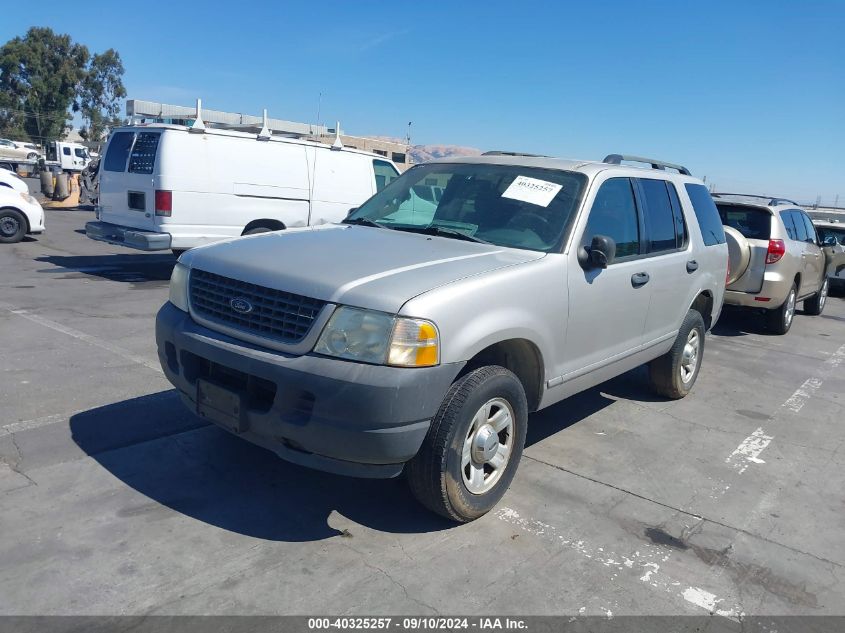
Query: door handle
692, 266
639, 279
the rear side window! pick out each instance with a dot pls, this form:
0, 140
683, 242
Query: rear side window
614, 214
118, 151
385, 173
753, 223
808, 223
786, 216
800, 228
706, 213
659, 216
143, 155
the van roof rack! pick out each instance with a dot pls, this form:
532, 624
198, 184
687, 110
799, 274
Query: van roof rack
616, 159
772, 200
502, 153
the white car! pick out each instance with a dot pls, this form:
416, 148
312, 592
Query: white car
10, 149
11, 180
20, 214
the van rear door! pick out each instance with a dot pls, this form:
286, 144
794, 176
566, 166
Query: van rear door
127, 188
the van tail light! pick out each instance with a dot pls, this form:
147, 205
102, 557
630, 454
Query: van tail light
164, 203
777, 248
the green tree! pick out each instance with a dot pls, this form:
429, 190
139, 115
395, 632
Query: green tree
100, 93
40, 77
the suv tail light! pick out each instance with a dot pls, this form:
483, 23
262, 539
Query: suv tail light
776, 250
164, 203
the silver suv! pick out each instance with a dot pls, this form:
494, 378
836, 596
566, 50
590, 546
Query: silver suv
777, 258
418, 337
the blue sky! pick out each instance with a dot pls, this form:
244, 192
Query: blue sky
750, 94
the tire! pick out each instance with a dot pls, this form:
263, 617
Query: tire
815, 304
256, 230
454, 473
739, 254
673, 374
12, 226
780, 319
32, 156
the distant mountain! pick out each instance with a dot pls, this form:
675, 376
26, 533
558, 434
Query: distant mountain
424, 153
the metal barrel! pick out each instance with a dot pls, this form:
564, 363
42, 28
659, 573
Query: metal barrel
61, 191
47, 183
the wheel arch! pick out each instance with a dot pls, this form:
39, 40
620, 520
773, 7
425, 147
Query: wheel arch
518, 355
273, 225
703, 304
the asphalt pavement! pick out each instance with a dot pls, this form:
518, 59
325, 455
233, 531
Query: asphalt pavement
116, 500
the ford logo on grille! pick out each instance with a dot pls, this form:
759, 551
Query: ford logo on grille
241, 305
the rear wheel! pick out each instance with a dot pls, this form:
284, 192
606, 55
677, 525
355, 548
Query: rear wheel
815, 304
673, 374
780, 319
12, 226
473, 447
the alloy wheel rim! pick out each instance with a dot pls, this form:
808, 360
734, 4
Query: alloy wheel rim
689, 357
9, 226
790, 309
488, 446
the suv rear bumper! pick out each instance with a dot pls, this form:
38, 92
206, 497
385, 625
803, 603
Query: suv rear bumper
128, 236
329, 414
775, 288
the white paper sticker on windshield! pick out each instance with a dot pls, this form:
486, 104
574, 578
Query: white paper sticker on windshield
533, 191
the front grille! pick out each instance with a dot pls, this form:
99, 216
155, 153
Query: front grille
275, 314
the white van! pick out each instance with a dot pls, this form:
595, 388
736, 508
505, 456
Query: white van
168, 187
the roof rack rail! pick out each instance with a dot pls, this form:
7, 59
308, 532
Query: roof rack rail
773, 201
616, 159
500, 153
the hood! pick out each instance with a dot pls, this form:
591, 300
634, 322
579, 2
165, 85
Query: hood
360, 266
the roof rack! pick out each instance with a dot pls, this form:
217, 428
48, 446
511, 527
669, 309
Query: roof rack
772, 200
500, 153
616, 159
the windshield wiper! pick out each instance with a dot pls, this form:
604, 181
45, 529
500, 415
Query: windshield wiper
442, 231
363, 222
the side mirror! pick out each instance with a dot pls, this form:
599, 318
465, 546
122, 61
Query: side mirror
829, 241
598, 254
351, 211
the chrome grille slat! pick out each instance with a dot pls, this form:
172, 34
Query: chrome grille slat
278, 315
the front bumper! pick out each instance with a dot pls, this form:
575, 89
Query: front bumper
128, 236
329, 414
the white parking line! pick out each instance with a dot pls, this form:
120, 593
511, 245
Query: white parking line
26, 425
748, 451
797, 400
82, 336
644, 565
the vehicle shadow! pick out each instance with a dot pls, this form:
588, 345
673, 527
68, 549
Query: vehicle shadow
155, 446
738, 322
129, 268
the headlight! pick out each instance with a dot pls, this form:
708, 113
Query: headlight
179, 286
376, 337
28, 198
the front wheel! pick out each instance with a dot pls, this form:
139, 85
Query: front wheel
815, 304
473, 447
673, 374
12, 226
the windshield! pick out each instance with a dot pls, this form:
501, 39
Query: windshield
506, 205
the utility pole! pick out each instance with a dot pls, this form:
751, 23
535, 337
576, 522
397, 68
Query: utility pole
408, 137
836, 201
